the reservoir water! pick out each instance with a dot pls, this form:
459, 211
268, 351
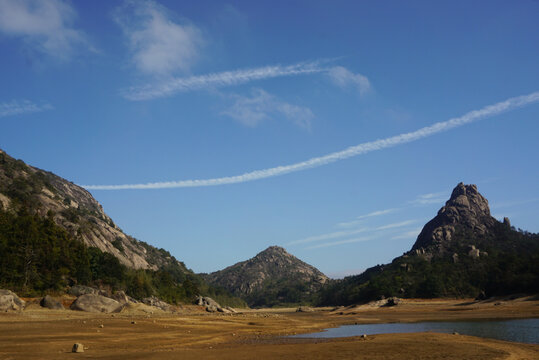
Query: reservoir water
521, 330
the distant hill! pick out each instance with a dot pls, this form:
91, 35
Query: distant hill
53, 233
463, 251
273, 277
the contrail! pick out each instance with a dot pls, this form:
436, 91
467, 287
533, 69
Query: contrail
360, 149
226, 78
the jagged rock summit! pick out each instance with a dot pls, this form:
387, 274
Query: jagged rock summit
273, 271
467, 209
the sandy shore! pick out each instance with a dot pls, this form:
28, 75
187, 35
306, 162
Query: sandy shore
257, 334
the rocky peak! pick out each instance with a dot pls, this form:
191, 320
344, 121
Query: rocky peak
466, 202
465, 208
274, 264
273, 254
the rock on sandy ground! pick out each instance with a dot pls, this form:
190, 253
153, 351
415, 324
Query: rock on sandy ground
9, 301
96, 303
50, 303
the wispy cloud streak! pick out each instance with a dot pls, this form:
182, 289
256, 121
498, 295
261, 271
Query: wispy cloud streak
352, 151
332, 235
341, 242
215, 80
407, 235
21, 107
360, 218
432, 198
340, 234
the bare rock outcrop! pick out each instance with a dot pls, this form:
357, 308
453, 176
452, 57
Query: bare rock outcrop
9, 301
466, 209
158, 303
76, 210
210, 304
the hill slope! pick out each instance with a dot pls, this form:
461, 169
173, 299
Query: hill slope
74, 209
273, 277
463, 251
54, 234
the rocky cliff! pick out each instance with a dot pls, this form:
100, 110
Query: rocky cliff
272, 277
467, 210
23, 187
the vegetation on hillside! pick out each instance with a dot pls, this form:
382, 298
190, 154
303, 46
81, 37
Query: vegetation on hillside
510, 265
283, 292
39, 257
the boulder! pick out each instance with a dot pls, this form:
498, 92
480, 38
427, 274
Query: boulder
392, 301
10, 301
154, 301
77, 348
304, 309
50, 303
121, 297
474, 253
96, 303
207, 301
79, 290
210, 304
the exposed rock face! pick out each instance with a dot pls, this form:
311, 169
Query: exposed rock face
9, 301
77, 211
96, 303
121, 297
466, 208
50, 303
210, 304
154, 301
273, 264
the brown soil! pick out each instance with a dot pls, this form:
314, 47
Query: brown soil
257, 334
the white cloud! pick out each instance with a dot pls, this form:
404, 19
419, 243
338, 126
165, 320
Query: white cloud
352, 151
328, 236
340, 242
431, 198
339, 234
396, 225
159, 44
360, 218
344, 78
250, 111
17, 107
45, 25
354, 240
408, 234
216, 80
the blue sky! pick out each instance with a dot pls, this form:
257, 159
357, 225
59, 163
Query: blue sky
168, 92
